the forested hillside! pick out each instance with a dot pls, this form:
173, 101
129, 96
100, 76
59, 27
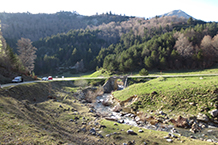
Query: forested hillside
36, 26
67, 40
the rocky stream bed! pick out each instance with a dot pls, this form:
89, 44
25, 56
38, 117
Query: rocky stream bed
196, 127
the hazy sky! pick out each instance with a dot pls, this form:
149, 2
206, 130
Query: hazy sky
200, 9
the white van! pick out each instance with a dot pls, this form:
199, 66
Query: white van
17, 79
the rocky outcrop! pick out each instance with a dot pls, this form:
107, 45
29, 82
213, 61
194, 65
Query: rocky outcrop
112, 84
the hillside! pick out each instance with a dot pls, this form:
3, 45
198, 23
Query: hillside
36, 26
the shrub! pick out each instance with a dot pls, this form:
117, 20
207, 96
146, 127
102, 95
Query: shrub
143, 72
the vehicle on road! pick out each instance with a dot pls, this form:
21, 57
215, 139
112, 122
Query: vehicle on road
50, 78
17, 79
44, 79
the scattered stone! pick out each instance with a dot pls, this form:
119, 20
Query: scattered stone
102, 126
92, 131
101, 136
108, 135
71, 120
83, 101
166, 137
60, 106
76, 118
111, 118
137, 119
115, 124
195, 128
121, 121
140, 131
144, 143
169, 140
214, 113
83, 123
91, 110
202, 117
192, 137
209, 140
154, 93
131, 132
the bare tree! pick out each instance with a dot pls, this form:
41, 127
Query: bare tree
206, 46
215, 42
183, 46
26, 53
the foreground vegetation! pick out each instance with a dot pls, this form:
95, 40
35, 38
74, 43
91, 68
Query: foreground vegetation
28, 116
175, 94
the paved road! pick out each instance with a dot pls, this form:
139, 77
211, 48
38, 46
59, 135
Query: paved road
77, 78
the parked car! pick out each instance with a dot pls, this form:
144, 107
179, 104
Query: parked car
17, 79
44, 79
50, 78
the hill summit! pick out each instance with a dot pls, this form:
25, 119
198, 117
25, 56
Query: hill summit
178, 13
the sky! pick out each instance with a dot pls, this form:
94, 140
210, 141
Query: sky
200, 9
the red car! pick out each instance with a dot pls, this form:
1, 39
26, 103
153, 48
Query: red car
50, 78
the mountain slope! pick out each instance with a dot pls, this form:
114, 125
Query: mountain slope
36, 26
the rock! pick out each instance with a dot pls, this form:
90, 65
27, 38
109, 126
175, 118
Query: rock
166, 137
91, 110
195, 128
111, 118
209, 140
115, 124
154, 93
102, 126
108, 135
71, 120
161, 113
140, 131
144, 143
192, 103
169, 140
76, 118
101, 136
121, 121
92, 131
192, 137
131, 132
202, 117
83, 101
60, 106
137, 119
214, 113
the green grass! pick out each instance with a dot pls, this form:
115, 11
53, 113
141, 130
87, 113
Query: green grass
148, 136
173, 93
99, 73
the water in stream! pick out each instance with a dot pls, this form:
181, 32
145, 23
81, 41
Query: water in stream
210, 133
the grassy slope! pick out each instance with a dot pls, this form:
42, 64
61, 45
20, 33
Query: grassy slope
174, 93
24, 121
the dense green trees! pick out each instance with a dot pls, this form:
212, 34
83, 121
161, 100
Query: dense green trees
123, 46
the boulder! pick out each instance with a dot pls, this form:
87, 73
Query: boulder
169, 140
202, 117
214, 113
131, 132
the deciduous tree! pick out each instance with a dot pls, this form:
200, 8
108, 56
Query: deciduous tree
26, 53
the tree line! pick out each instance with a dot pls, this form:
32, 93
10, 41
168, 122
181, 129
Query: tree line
190, 48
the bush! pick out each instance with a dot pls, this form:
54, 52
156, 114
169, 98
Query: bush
143, 72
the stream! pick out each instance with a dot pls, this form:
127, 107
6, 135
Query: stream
210, 133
